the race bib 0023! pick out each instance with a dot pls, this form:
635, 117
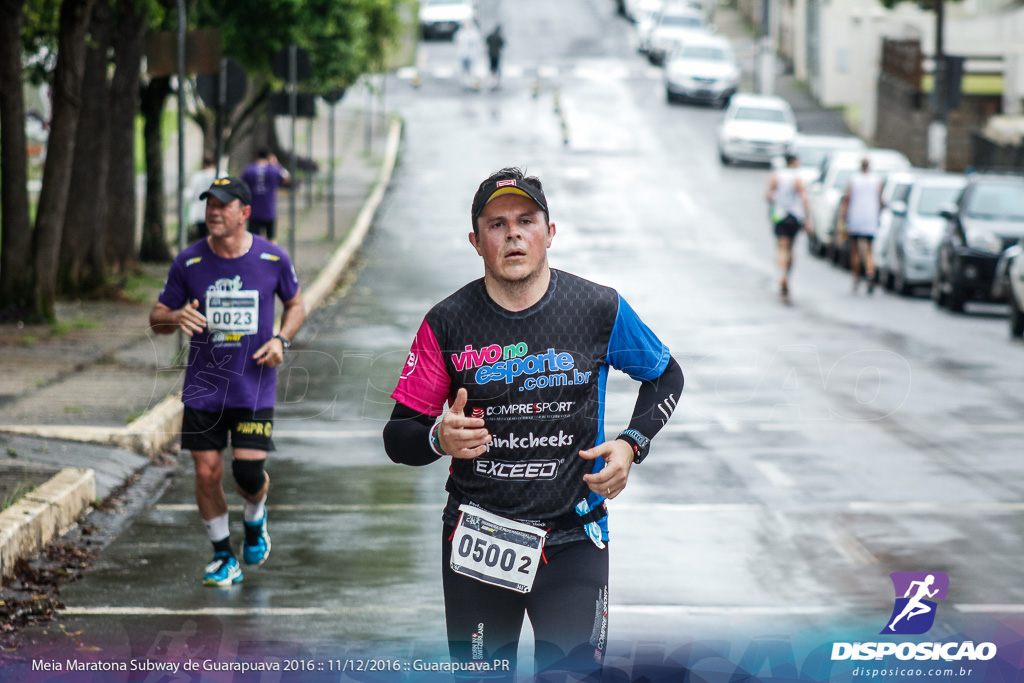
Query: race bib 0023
495, 550
234, 312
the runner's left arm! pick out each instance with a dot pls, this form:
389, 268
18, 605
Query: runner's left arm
657, 400
271, 354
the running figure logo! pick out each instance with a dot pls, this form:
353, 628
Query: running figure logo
914, 612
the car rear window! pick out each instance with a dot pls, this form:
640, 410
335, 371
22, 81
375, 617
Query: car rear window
712, 54
759, 114
932, 199
997, 201
681, 22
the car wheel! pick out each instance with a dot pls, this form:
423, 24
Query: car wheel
884, 278
1016, 317
938, 295
956, 298
669, 97
723, 158
900, 283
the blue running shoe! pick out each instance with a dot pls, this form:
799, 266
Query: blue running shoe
223, 570
256, 552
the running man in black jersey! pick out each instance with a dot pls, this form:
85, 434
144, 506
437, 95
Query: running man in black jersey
521, 358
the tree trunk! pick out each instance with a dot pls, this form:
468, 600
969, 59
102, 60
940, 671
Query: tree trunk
154, 239
122, 214
83, 269
53, 199
15, 229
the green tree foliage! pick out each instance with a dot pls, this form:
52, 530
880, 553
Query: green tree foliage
345, 38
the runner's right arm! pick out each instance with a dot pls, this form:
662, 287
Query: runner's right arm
407, 437
407, 434
164, 320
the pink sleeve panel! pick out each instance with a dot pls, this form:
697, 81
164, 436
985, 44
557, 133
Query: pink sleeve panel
424, 384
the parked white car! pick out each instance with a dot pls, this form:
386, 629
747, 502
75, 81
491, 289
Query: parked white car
756, 128
826, 192
442, 18
676, 24
704, 69
812, 150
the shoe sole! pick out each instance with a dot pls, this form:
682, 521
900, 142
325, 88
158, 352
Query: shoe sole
222, 584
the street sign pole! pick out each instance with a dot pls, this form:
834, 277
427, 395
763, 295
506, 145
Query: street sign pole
222, 102
309, 172
333, 96
182, 237
330, 181
292, 111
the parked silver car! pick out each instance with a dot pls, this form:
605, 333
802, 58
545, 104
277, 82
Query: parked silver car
916, 231
676, 24
894, 194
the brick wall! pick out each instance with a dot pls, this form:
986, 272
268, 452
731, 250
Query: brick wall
903, 118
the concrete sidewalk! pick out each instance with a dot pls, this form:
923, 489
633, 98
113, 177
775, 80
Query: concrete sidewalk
94, 398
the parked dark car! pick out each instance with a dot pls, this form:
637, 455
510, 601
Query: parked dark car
987, 219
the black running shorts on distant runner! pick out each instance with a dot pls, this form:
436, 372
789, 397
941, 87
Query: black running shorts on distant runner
208, 431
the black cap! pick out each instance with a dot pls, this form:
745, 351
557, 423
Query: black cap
495, 188
229, 189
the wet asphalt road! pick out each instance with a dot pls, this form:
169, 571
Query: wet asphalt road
818, 447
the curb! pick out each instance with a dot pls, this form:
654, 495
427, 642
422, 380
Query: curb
47, 512
50, 510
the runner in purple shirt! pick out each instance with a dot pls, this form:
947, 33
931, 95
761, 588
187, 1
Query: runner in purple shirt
263, 177
220, 292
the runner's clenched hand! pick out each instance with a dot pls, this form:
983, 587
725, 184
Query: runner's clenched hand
460, 436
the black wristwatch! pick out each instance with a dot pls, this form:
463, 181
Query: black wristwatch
641, 444
284, 342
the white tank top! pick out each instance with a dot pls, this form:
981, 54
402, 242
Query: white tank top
786, 199
865, 204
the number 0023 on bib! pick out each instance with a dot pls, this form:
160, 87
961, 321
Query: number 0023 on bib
495, 550
235, 312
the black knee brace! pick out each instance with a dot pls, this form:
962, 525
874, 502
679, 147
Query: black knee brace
249, 475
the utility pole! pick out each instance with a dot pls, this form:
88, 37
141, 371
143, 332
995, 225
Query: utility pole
937, 129
765, 76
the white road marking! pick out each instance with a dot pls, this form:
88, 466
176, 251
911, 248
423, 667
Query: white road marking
727, 424
675, 508
774, 474
639, 610
850, 548
990, 609
933, 507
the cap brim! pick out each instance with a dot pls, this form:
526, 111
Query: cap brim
510, 190
221, 194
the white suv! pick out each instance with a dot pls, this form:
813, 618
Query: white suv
442, 18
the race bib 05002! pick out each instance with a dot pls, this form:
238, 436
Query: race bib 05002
495, 550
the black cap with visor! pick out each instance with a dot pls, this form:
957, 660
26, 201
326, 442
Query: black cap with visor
492, 189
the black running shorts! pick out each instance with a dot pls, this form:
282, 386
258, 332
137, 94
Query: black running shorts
203, 430
568, 608
787, 227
